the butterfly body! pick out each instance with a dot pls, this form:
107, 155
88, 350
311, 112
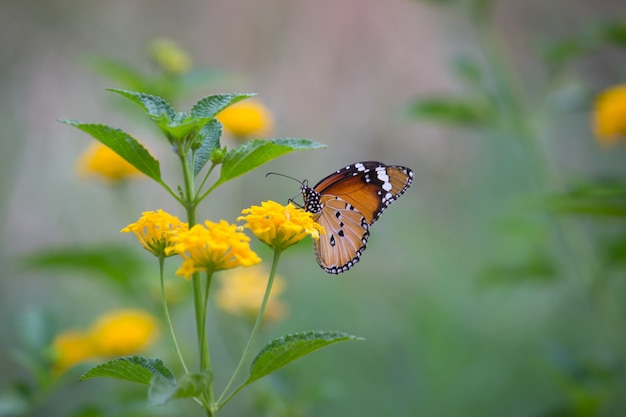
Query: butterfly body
346, 203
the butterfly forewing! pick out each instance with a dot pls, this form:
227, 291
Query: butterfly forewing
346, 203
346, 235
369, 186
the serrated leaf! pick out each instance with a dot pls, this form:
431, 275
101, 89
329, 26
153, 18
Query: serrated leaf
288, 348
163, 389
154, 106
210, 106
124, 145
210, 136
257, 152
459, 111
131, 368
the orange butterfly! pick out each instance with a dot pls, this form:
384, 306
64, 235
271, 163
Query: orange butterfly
346, 203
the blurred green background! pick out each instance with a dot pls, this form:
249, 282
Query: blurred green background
473, 299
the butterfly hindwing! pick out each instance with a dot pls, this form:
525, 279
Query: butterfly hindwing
346, 203
346, 235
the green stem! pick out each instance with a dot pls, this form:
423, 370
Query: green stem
200, 301
221, 401
206, 177
167, 316
205, 358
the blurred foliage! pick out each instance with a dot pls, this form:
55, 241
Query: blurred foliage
174, 76
581, 223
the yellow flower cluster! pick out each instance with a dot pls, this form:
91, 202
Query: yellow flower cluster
155, 230
610, 115
100, 161
120, 332
247, 118
241, 293
212, 247
280, 226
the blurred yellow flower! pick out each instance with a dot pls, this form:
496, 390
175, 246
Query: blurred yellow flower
280, 226
155, 230
610, 115
247, 118
71, 347
123, 332
212, 247
170, 57
100, 161
119, 332
241, 293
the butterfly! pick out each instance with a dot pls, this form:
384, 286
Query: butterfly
346, 203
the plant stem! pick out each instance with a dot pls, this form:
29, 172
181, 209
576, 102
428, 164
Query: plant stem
257, 324
205, 358
167, 316
200, 301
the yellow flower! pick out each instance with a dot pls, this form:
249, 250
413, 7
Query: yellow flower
123, 332
71, 347
610, 115
100, 161
247, 118
120, 332
155, 230
170, 57
242, 291
212, 247
280, 226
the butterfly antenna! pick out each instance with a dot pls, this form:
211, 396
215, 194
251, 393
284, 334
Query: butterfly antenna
291, 200
286, 176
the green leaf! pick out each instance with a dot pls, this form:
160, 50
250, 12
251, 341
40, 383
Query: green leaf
163, 389
124, 145
536, 268
615, 32
210, 135
468, 70
210, 106
288, 348
116, 263
131, 368
257, 152
154, 106
458, 111
607, 199
121, 73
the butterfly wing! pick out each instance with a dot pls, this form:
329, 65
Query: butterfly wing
346, 203
346, 235
368, 186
